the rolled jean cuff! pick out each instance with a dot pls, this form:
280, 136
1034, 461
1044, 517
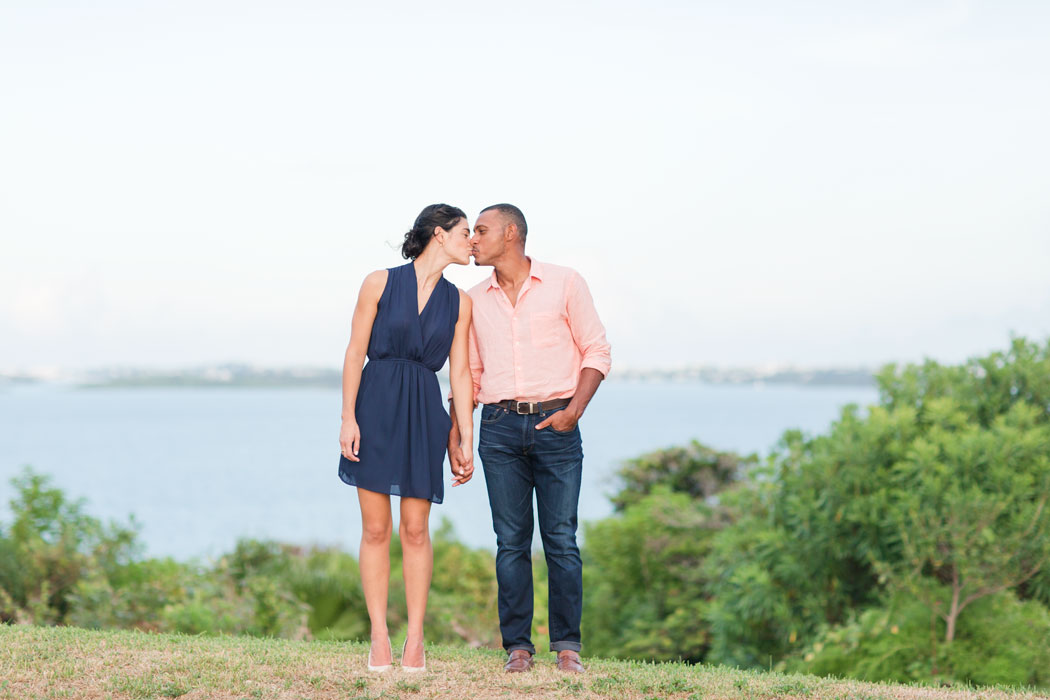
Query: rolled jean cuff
566, 646
527, 647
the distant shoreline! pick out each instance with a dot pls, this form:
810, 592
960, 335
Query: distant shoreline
248, 377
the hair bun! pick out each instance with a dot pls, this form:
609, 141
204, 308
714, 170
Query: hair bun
415, 242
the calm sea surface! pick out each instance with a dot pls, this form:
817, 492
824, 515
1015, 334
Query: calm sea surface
201, 467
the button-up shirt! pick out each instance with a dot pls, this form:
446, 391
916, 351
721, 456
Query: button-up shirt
535, 349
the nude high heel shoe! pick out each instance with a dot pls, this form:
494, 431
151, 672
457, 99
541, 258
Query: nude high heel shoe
385, 667
413, 669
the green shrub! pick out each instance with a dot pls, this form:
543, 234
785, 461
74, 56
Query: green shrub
696, 470
132, 596
329, 582
946, 481
463, 594
49, 547
645, 596
1001, 640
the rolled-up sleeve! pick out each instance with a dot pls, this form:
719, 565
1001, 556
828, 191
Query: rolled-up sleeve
475, 362
587, 329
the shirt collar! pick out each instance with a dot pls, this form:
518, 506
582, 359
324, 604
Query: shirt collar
535, 270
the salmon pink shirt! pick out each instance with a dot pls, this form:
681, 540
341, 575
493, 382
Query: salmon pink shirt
535, 350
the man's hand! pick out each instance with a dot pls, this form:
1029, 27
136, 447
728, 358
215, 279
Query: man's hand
462, 472
455, 456
562, 421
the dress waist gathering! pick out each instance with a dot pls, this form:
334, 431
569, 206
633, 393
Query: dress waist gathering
401, 360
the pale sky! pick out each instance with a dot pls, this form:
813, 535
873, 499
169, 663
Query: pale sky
740, 183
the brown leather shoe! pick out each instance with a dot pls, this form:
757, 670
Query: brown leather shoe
520, 661
569, 661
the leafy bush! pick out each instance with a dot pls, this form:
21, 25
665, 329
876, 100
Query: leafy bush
695, 470
463, 593
132, 596
329, 582
49, 547
944, 483
61, 566
1001, 640
644, 581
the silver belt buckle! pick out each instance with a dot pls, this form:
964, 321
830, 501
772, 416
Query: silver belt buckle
519, 404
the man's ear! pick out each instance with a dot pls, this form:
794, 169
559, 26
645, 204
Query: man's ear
510, 232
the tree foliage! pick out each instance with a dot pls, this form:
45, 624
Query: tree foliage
59, 565
643, 570
696, 470
1001, 640
938, 492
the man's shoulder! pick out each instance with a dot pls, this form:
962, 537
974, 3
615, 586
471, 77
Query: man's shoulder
559, 272
549, 267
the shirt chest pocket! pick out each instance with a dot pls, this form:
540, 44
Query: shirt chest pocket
547, 330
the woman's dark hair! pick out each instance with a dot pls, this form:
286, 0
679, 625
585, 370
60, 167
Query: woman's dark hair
444, 215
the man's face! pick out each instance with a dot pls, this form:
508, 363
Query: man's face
489, 242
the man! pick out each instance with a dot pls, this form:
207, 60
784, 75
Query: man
537, 355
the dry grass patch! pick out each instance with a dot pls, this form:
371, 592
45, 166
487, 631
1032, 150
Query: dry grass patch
65, 662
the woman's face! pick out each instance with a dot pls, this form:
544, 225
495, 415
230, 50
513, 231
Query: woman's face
457, 242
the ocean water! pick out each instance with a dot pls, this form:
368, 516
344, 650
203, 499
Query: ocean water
201, 467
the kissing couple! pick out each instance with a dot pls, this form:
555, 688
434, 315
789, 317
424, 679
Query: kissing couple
527, 344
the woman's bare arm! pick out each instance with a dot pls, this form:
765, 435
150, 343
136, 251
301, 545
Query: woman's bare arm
354, 361
462, 393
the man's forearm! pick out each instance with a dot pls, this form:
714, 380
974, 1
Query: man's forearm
590, 378
453, 434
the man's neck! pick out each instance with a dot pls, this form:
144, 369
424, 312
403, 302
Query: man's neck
513, 272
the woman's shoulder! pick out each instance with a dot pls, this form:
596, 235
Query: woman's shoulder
463, 305
375, 283
377, 277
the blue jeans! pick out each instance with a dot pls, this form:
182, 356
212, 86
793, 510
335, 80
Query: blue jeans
518, 459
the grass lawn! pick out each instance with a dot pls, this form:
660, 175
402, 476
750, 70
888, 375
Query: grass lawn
66, 662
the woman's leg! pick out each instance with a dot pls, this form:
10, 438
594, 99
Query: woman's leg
376, 528
418, 564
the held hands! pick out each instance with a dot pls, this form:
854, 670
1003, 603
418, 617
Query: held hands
350, 440
561, 421
461, 457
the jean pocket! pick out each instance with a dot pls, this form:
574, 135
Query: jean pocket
491, 415
572, 430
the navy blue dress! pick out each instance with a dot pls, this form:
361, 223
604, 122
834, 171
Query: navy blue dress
400, 407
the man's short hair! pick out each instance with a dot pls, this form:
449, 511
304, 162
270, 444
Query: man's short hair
514, 214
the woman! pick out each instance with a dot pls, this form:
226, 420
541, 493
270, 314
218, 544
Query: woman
395, 429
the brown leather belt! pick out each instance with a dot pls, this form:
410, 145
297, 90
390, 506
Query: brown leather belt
526, 408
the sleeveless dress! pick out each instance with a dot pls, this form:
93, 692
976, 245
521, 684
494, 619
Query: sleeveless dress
400, 407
